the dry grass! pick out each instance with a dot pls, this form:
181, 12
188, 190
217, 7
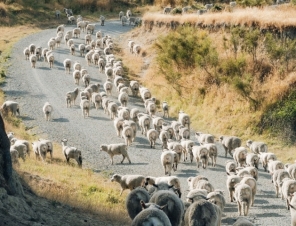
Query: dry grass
280, 17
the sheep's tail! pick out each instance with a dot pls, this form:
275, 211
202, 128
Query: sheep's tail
47, 112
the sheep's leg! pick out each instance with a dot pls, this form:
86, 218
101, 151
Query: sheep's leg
276, 191
128, 159
121, 191
239, 208
123, 158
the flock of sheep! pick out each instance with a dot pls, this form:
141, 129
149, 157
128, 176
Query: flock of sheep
154, 200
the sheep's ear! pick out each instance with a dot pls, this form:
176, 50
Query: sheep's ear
171, 186
143, 204
155, 185
228, 173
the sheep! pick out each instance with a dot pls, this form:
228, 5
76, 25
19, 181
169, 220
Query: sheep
10, 135
49, 146
40, 149
76, 76
187, 148
71, 97
163, 137
241, 221
240, 155
72, 49
288, 188
15, 141
252, 160
137, 49
50, 60
144, 122
200, 153
81, 25
253, 185
196, 195
176, 147
257, 147
157, 123
127, 134
202, 213
232, 4
275, 165
120, 15
86, 80
47, 110
58, 41
116, 149
61, 28
151, 215
123, 112
232, 180
204, 184
134, 85
44, 51
118, 124
132, 202
167, 160
133, 125
112, 109
10, 106
230, 143
170, 180
167, 10
90, 28
265, 158
278, 177
21, 149
204, 138
33, 60
131, 45
129, 181
217, 198
165, 109
192, 181
32, 48
292, 204
169, 129
71, 19
291, 169
152, 135
151, 108
76, 32
176, 125
68, 11
252, 171
71, 152
184, 119
123, 20
67, 65
102, 19
38, 52
144, 93
184, 133
123, 98
134, 114
243, 196
85, 107
14, 156
174, 208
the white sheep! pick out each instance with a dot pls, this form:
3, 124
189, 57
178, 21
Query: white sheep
90, 28
15, 141
129, 181
184, 133
40, 149
163, 137
116, 149
85, 107
291, 169
252, 160
123, 112
112, 109
292, 205
128, 134
67, 65
86, 79
231, 181
144, 122
165, 109
184, 119
47, 110
123, 20
217, 198
123, 98
71, 152
27, 53
243, 196
152, 135
213, 152
230, 167
76, 32
277, 178
257, 147
253, 185
230, 143
21, 149
167, 159
265, 158
241, 221
288, 188
71, 97
76, 76
10, 106
33, 60
187, 148
204, 138
240, 155
50, 60
201, 153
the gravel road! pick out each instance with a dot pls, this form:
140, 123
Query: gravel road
33, 87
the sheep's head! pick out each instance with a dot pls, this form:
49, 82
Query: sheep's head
103, 147
249, 142
115, 177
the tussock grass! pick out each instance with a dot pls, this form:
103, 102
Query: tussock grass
280, 17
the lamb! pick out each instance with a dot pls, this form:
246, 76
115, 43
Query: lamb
257, 147
152, 135
86, 80
202, 213
163, 137
85, 107
15, 141
81, 48
118, 124
200, 153
240, 155
204, 138
292, 204
204, 184
187, 148
96, 100
123, 98
134, 114
134, 85
167, 160
253, 185
184, 133
275, 165
112, 109
252, 160
32, 48
129, 181
49, 146
265, 158
47, 110
278, 177
230, 183
76, 76
291, 169
152, 214
21, 149
174, 208
76, 32
170, 180
217, 198
184, 119
132, 202
176, 147
123, 20
243, 196
102, 19
241, 221
137, 49
116, 149
133, 125
33, 60
169, 129
288, 188
123, 112
90, 28
192, 181
10, 106
71, 97
213, 152
14, 156
40, 149
165, 109
61, 28
71, 152
252, 171
230, 143
144, 122
128, 134
67, 65
50, 60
